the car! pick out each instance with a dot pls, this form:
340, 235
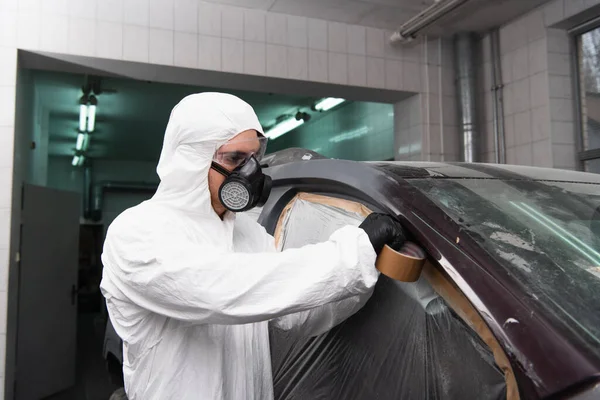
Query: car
505, 307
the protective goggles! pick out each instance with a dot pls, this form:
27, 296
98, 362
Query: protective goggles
238, 151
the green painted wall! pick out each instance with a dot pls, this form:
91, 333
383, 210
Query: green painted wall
355, 131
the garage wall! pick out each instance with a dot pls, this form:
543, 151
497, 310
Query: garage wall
194, 35
538, 93
356, 131
426, 124
409, 124
10, 213
61, 175
32, 121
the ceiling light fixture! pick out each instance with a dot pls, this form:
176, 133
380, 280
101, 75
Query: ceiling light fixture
80, 141
303, 116
83, 141
327, 104
287, 123
283, 127
77, 160
83, 112
91, 114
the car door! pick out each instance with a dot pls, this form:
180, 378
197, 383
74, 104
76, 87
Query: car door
406, 343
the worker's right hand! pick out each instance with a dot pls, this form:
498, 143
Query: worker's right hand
382, 229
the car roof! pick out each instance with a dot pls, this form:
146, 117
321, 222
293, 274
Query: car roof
411, 170
449, 170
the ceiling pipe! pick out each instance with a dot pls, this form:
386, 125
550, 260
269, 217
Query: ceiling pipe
87, 189
409, 30
498, 98
466, 82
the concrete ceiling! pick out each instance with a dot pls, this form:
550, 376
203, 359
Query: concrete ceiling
483, 15
132, 115
478, 15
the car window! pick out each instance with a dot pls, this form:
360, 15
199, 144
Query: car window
545, 234
406, 343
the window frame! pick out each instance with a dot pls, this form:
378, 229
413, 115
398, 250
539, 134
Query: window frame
576, 33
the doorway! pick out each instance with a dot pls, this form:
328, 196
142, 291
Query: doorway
114, 168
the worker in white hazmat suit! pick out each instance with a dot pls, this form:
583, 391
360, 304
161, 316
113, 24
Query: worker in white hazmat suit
191, 287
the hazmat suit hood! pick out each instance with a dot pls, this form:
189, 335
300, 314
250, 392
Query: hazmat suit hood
199, 124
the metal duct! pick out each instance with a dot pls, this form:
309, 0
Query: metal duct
464, 47
87, 188
498, 98
409, 30
102, 187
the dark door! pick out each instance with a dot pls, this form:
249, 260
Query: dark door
47, 319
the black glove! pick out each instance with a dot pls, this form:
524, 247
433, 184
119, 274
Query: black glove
382, 229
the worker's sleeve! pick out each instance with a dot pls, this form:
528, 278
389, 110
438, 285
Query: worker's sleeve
320, 319
194, 283
323, 318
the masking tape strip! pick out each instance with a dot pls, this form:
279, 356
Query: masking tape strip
455, 299
461, 305
399, 265
347, 205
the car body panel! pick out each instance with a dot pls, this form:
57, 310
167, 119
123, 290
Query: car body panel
547, 362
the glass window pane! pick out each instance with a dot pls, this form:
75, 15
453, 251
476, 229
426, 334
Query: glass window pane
546, 235
589, 44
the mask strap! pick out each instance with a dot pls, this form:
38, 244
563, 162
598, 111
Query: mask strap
223, 171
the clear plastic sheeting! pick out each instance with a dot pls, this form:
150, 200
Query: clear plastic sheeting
308, 222
406, 343
394, 348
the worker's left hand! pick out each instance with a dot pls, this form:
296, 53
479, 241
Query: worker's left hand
382, 229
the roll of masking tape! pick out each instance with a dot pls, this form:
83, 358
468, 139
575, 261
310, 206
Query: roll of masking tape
404, 265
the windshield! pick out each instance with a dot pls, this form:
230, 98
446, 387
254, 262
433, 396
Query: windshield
546, 234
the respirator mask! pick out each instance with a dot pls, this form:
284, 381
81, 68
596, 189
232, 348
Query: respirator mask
245, 186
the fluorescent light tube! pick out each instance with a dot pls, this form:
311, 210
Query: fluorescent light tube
86, 141
283, 128
80, 141
75, 161
328, 103
91, 120
83, 112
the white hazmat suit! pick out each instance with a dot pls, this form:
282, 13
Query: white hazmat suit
192, 295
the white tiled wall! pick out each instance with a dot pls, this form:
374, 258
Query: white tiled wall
8, 63
196, 34
538, 88
430, 118
408, 127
